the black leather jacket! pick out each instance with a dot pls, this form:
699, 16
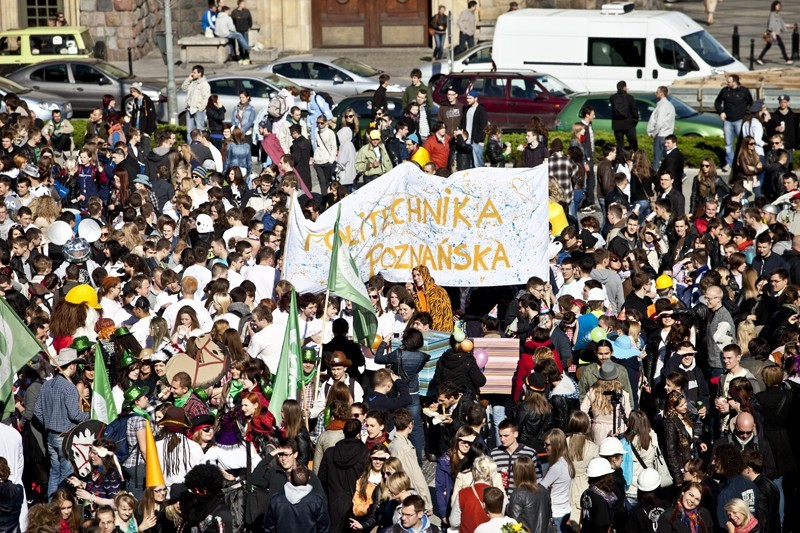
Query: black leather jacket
532, 509
533, 426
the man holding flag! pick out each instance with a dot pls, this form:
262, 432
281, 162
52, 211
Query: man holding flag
58, 408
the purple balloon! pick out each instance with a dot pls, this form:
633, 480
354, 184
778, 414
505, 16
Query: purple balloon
481, 357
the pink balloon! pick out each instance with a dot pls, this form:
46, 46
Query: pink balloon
481, 357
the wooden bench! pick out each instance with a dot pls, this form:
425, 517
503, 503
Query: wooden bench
202, 49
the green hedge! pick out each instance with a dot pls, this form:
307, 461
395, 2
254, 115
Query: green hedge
80, 130
694, 149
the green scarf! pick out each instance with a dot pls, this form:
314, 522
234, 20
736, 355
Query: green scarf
141, 412
307, 378
180, 402
236, 388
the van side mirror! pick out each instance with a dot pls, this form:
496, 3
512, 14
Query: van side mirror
687, 65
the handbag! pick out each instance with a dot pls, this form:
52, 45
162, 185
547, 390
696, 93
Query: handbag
431, 32
659, 464
767, 37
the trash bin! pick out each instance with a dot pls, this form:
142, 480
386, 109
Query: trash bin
161, 42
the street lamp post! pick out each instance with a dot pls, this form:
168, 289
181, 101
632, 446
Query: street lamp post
172, 93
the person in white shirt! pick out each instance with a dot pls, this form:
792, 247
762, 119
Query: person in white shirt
176, 453
310, 326
266, 338
661, 124
263, 274
141, 329
493, 499
237, 229
338, 366
235, 264
188, 289
198, 270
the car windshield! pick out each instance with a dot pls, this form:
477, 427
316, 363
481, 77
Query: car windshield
555, 86
682, 109
280, 82
356, 67
88, 41
111, 70
709, 50
12, 86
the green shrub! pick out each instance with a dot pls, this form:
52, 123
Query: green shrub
80, 130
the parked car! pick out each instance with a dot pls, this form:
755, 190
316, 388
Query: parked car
362, 105
261, 87
511, 99
688, 121
341, 75
42, 43
40, 102
477, 59
83, 82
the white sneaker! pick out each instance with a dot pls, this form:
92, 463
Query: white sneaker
245, 61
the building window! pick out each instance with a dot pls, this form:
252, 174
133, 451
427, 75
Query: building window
38, 12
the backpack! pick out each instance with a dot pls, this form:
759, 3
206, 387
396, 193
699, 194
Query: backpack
277, 107
117, 431
327, 97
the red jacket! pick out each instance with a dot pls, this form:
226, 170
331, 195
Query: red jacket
439, 152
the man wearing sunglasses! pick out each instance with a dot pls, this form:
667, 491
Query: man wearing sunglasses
744, 438
785, 122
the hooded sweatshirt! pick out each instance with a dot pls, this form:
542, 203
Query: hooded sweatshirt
460, 368
346, 159
613, 285
295, 494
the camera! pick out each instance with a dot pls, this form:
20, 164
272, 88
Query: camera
615, 396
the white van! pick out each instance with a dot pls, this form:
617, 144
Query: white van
591, 50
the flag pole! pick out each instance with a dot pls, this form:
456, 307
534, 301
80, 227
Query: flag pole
322, 341
288, 227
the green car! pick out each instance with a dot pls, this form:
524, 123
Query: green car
688, 122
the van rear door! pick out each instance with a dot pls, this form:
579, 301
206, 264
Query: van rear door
611, 59
493, 94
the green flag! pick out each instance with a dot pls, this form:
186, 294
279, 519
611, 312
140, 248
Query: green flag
345, 282
103, 407
17, 346
290, 367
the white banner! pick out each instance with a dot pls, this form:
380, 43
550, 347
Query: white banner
479, 227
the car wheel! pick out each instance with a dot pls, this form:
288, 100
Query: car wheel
127, 106
693, 136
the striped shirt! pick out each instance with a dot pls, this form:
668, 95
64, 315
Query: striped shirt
505, 461
60, 400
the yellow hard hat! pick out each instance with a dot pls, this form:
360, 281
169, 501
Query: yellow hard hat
663, 282
83, 294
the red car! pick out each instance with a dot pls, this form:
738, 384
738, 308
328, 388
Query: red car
511, 99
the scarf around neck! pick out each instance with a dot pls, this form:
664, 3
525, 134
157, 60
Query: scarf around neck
691, 519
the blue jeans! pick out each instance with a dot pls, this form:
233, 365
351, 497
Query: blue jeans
60, 466
782, 501
196, 121
577, 197
465, 42
438, 45
658, 151
732, 131
644, 209
417, 436
498, 415
477, 155
241, 39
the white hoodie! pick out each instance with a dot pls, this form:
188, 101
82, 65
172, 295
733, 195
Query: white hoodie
295, 494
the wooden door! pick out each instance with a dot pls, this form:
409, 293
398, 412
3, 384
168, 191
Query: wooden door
370, 23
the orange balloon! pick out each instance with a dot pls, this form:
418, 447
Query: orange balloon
467, 345
377, 342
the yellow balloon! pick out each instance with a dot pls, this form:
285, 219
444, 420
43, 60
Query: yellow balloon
377, 342
467, 345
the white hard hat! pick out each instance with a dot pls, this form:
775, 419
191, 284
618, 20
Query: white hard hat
611, 446
599, 467
649, 480
596, 295
204, 224
59, 232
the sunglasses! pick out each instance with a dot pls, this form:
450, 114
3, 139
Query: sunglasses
775, 143
373, 296
743, 433
705, 165
751, 144
381, 459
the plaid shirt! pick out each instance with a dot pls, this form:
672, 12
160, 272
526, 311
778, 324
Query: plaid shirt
565, 173
60, 401
135, 423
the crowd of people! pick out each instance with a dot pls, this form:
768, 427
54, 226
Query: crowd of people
659, 366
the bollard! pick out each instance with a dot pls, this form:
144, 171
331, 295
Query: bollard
795, 44
752, 53
130, 61
735, 42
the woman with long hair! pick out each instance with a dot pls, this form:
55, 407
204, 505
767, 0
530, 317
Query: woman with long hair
575, 154
529, 504
187, 325
707, 185
641, 182
653, 244
375, 423
350, 119
740, 519
238, 153
369, 490
639, 436
159, 334
558, 479
70, 514
119, 193
105, 480
535, 414
580, 450
260, 427
776, 405
449, 463
687, 516
293, 427
151, 511
680, 442
598, 405
775, 26
749, 165
215, 112
467, 512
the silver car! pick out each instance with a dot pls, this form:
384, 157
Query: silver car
83, 82
477, 59
340, 75
261, 87
40, 102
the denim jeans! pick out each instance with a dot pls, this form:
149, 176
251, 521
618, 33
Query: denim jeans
417, 436
196, 121
658, 151
577, 197
644, 209
438, 45
732, 131
60, 465
498, 415
241, 39
477, 155
465, 42
782, 501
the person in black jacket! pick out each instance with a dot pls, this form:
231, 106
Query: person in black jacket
341, 343
474, 121
673, 162
297, 508
215, 114
731, 104
301, 153
454, 404
457, 367
624, 117
379, 97
769, 496
686, 516
339, 471
143, 114
535, 414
